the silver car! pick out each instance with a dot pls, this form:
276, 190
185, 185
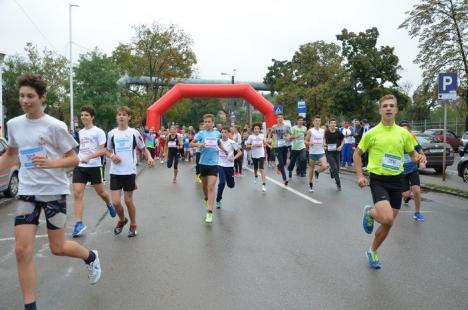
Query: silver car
464, 140
9, 179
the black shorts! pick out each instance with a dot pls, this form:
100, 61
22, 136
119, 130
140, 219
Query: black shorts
83, 175
258, 163
410, 179
30, 206
386, 188
206, 170
125, 182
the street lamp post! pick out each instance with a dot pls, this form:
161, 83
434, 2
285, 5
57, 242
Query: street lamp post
72, 121
232, 82
2, 56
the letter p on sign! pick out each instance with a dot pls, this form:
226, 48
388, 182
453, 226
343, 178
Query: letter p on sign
448, 84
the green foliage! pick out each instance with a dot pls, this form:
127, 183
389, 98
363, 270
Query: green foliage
441, 29
51, 66
95, 85
190, 111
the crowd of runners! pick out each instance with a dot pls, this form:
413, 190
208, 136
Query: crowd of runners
388, 152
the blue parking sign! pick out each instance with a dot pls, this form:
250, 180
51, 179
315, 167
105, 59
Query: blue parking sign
301, 106
448, 84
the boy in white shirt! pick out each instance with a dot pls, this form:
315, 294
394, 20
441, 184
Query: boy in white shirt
92, 147
256, 143
45, 149
122, 143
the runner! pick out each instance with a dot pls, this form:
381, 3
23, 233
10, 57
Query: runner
92, 147
237, 137
45, 149
122, 143
386, 144
186, 147
162, 144
226, 164
269, 141
256, 142
315, 141
174, 144
197, 155
411, 181
334, 141
281, 133
347, 151
298, 152
151, 141
208, 140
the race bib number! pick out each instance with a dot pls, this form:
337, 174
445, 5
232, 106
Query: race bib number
26, 155
85, 144
408, 159
258, 143
172, 144
211, 142
391, 162
331, 147
318, 140
281, 142
123, 144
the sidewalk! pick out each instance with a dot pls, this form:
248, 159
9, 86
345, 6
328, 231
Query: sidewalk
452, 185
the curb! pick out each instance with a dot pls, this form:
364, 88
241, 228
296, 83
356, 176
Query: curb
428, 186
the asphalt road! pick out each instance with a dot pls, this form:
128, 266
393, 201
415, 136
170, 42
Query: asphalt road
285, 249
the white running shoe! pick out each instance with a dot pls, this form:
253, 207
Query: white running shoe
263, 188
311, 190
94, 269
255, 180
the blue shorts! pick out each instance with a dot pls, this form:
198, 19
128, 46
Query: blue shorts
316, 157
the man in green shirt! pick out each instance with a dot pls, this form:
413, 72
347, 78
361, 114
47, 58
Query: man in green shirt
298, 152
386, 144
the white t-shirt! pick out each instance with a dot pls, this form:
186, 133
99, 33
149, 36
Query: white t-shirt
258, 147
316, 141
90, 141
230, 146
123, 143
46, 135
348, 135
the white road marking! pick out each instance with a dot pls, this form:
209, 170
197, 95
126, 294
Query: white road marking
414, 211
292, 190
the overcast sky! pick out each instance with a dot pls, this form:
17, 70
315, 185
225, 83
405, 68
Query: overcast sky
242, 35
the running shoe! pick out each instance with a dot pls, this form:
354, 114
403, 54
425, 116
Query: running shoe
311, 188
174, 181
120, 226
407, 199
374, 261
205, 203
162, 161
209, 217
418, 217
111, 209
218, 204
79, 229
316, 174
197, 179
256, 179
286, 182
132, 232
263, 188
94, 269
338, 188
367, 220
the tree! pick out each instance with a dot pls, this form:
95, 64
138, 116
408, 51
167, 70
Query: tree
51, 66
441, 28
190, 111
156, 51
96, 84
373, 71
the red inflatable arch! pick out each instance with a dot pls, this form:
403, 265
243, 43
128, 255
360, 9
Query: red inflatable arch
179, 91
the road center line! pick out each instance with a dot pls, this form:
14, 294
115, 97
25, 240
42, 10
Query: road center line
292, 190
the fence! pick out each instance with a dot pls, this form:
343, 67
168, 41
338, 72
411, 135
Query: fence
457, 126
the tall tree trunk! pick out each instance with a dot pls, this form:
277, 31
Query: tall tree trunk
466, 103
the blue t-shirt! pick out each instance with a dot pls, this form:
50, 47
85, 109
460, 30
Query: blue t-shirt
409, 165
209, 154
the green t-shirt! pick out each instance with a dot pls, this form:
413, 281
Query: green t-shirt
299, 132
386, 146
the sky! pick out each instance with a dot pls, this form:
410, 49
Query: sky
241, 35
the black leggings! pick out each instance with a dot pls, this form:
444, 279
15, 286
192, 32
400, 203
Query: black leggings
172, 158
197, 161
238, 163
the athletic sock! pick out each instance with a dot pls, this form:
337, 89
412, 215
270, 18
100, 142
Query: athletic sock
90, 258
31, 306
311, 185
263, 183
209, 211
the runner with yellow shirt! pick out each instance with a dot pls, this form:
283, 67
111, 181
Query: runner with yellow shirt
386, 144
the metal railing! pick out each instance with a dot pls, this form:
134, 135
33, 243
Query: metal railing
457, 126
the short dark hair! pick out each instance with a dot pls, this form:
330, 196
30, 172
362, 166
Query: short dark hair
317, 116
89, 109
33, 81
332, 120
279, 114
225, 128
256, 125
299, 117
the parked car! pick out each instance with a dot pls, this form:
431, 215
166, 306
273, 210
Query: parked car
462, 166
9, 179
465, 139
434, 152
452, 139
